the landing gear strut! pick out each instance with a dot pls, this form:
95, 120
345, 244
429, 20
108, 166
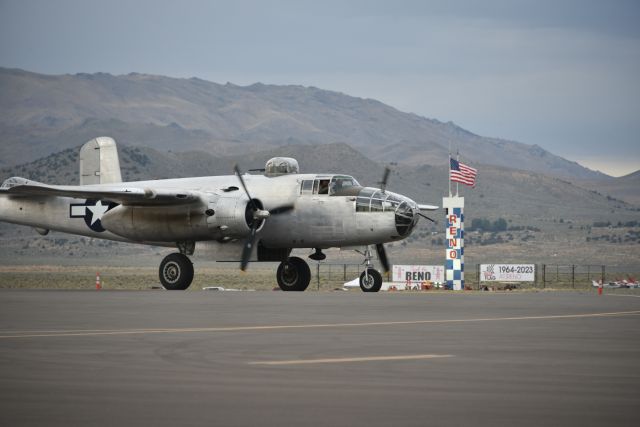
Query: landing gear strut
293, 274
370, 279
176, 272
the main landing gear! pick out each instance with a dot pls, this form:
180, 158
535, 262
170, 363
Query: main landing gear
176, 272
293, 274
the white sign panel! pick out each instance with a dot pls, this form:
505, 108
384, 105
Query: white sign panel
507, 272
415, 274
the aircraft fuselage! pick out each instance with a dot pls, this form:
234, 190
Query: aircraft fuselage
317, 221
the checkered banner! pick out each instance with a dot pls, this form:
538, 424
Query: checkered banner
455, 244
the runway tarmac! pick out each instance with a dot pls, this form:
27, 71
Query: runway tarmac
318, 359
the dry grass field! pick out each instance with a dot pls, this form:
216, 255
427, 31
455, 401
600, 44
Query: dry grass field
131, 278
259, 277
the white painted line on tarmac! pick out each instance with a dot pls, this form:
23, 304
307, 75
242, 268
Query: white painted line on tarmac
351, 359
623, 295
82, 331
66, 333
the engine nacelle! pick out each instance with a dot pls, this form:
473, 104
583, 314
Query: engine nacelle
225, 217
152, 224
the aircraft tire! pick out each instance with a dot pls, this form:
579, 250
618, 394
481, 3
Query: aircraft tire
373, 284
176, 272
293, 275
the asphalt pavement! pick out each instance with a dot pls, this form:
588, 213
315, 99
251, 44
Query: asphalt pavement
319, 359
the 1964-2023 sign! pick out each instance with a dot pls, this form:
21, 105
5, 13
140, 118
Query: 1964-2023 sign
507, 272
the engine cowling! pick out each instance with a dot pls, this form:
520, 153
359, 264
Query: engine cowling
229, 215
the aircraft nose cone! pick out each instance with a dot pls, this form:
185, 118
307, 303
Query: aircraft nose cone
406, 217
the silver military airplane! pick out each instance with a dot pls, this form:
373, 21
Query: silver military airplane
249, 217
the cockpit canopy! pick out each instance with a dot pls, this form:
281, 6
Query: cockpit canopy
336, 185
281, 166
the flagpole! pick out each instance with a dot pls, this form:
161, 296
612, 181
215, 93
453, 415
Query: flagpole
449, 177
457, 185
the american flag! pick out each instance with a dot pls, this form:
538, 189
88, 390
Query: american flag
459, 172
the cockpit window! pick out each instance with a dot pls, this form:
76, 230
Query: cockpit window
340, 183
324, 186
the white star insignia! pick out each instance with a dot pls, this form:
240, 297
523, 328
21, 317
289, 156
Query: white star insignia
97, 211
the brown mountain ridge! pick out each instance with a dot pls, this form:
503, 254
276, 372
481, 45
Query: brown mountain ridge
43, 114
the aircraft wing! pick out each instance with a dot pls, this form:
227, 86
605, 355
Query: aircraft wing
131, 196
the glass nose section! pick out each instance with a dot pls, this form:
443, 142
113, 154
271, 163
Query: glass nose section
404, 209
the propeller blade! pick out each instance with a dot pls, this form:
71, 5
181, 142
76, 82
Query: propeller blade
426, 217
246, 250
382, 256
236, 168
385, 177
281, 209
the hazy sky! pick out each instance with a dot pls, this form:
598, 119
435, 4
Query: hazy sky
560, 74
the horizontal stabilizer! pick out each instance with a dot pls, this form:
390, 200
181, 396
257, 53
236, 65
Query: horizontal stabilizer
428, 207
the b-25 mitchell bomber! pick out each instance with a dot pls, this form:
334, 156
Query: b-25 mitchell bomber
249, 217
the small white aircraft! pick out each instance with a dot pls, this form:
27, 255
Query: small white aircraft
249, 217
629, 283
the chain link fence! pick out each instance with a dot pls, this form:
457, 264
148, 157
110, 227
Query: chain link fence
327, 276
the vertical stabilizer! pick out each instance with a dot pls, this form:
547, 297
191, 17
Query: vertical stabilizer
99, 162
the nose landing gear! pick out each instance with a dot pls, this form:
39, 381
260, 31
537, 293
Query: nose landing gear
370, 279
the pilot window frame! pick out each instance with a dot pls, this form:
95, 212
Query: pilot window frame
306, 187
376, 203
363, 201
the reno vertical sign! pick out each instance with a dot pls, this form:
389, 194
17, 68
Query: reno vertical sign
454, 236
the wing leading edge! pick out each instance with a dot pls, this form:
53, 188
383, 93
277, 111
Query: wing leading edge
128, 196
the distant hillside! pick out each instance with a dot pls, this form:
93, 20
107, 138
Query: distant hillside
42, 114
626, 187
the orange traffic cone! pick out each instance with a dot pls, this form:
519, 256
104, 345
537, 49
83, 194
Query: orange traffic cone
98, 285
